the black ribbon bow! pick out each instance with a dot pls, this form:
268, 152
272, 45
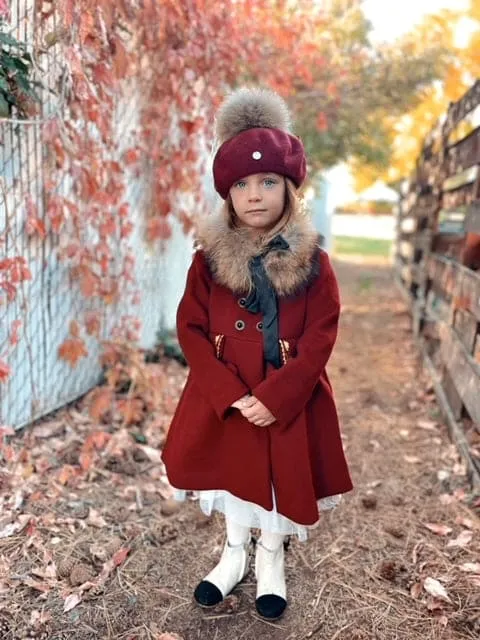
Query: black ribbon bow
263, 299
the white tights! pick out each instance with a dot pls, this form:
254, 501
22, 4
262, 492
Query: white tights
271, 541
238, 534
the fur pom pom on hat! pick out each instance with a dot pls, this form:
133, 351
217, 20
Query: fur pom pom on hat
250, 108
253, 129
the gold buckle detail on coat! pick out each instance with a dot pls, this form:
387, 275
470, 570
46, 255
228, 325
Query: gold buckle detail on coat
284, 350
219, 341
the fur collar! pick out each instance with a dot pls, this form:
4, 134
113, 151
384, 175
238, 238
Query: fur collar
228, 252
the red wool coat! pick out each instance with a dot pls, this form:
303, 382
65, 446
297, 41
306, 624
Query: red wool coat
211, 445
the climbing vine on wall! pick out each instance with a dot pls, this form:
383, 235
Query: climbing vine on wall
179, 58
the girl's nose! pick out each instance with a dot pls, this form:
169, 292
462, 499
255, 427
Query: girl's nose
254, 193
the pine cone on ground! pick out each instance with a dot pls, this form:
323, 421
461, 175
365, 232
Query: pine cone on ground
164, 533
80, 574
388, 570
65, 566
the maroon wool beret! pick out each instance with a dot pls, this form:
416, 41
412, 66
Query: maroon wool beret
258, 150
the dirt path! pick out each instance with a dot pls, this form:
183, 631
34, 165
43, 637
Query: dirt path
371, 570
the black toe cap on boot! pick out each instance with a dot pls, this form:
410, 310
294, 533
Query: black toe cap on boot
207, 594
270, 606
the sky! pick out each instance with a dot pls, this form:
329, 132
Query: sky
390, 19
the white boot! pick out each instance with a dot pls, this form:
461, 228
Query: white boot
231, 569
270, 573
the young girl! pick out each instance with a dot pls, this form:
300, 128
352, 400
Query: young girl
256, 433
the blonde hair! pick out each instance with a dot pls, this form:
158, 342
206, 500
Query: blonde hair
293, 209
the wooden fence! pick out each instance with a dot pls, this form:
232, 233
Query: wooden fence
437, 266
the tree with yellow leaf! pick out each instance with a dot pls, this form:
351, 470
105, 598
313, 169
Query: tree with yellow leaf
461, 67
353, 84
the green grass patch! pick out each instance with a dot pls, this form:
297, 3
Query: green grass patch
361, 246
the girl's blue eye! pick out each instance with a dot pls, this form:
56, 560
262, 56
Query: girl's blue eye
269, 182
240, 184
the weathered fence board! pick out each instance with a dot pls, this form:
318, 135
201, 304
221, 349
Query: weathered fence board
466, 325
454, 399
463, 370
437, 263
467, 294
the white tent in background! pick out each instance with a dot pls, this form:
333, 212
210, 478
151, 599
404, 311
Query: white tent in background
378, 191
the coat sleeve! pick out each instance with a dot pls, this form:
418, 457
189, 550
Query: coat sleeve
218, 384
286, 391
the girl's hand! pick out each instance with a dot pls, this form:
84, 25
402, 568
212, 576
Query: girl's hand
257, 413
244, 403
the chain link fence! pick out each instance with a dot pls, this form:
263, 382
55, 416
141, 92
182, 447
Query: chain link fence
39, 381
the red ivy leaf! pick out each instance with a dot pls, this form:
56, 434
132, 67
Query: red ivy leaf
92, 323
131, 410
126, 230
10, 290
14, 332
158, 229
4, 371
72, 350
88, 281
108, 228
68, 12
101, 403
56, 213
74, 329
191, 126
131, 156
35, 225
31, 207
103, 75
87, 26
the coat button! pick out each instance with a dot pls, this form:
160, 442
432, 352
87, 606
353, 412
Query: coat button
259, 326
239, 325
242, 302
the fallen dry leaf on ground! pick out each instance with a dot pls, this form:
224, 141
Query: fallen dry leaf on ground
439, 529
473, 567
428, 425
462, 540
71, 602
142, 593
412, 459
154, 455
95, 519
436, 589
465, 522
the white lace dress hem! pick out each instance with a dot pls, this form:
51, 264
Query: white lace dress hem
252, 515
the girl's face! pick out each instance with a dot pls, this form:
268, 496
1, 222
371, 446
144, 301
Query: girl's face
259, 200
